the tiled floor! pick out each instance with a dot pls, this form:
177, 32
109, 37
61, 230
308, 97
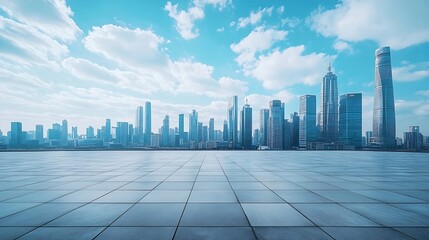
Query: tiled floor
214, 195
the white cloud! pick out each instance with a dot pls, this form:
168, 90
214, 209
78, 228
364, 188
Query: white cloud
291, 22
254, 17
288, 67
395, 23
54, 18
185, 18
280, 9
220, 29
341, 46
423, 92
258, 40
259, 101
411, 72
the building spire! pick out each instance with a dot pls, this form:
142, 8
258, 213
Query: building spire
329, 66
246, 102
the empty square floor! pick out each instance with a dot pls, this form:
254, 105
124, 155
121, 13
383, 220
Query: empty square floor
214, 195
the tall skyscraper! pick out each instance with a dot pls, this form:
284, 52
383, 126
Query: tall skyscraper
64, 133
107, 132
294, 130
307, 120
256, 136
199, 132
139, 128
329, 107
181, 129
263, 127
15, 134
211, 130
39, 133
122, 133
90, 132
147, 123
225, 130
74, 133
246, 126
275, 125
165, 135
193, 126
383, 124
233, 121
286, 134
413, 139
350, 119
205, 134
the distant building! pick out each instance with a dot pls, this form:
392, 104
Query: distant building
74, 133
233, 121
384, 123
154, 142
256, 136
90, 133
225, 131
287, 134
413, 139
147, 123
181, 129
107, 132
122, 133
199, 132
294, 130
211, 130
139, 127
350, 119
39, 133
64, 133
246, 126
165, 137
275, 125
368, 137
307, 120
16, 140
193, 126
205, 134
329, 107
263, 128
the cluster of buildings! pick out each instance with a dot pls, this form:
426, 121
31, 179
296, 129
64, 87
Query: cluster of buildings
337, 125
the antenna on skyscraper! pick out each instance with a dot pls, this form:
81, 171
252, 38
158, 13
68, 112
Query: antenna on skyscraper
329, 66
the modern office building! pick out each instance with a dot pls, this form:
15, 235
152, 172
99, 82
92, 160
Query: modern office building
15, 134
294, 130
90, 133
107, 131
263, 127
64, 132
165, 134
368, 137
225, 131
350, 119
39, 133
193, 126
139, 127
246, 126
181, 129
307, 120
329, 107
211, 130
383, 124
287, 127
233, 121
147, 123
256, 136
205, 134
122, 133
413, 139
275, 125
199, 132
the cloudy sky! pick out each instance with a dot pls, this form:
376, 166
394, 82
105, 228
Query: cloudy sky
85, 61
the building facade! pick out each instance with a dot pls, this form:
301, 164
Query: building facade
350, 119
328, 117
246, 127
307, 120
275, 125
233, 121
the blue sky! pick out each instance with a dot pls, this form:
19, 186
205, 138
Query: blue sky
85, 61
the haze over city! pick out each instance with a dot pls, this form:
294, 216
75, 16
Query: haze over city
83, 62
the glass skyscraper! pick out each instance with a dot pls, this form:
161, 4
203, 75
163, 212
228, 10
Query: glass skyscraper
263, 128
193, 126
246, 126
147, 123
233, 121
275, 125
383, 124
181, 129
329, 107
307, 120
139, 128
165, 134
211, 130
64, 133
350, 120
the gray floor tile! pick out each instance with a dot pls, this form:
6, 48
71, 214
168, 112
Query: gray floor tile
122, 196
214, 196
213, 214
274, 215
150, 214
165, 196
137, 233
64, 233
301, 196
257, 196
373, 233
416, 233
214, 233
10, 233
292, 233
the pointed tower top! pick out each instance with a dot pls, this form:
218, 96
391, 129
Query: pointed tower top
246, 101
329, 66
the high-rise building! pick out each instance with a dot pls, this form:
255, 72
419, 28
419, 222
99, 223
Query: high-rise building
233, 121
246, 126
225, 131
15, 134
205, 134
107, 132
286, 134
181, 128
413, 139
307, 120
75, 136
39, 133
256, 136
368, 137
193, 126
147, 123
263, 127
329, 107
122, 133
165, 134
275, 125
383, 124
211, 130
139, 127
350, 119
130, 132
90, 132
294, 130
64, 133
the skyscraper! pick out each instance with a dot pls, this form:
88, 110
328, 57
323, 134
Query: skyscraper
233, 121
199, 132
275, 125
225, 131
256, 137
246, 126
307, 120
181, 128
165, 135
294, 130
39, 133
350, 119
90, 132
16, 134
263, 128
122, 133
147, 123
107, 132
193, 126
64, 133
74, 133
286, 134
211, 130
383, 124
139, 128
329, 107
413, 139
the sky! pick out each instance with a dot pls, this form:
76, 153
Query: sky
86, 61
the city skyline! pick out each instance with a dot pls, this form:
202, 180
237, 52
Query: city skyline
260, 51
